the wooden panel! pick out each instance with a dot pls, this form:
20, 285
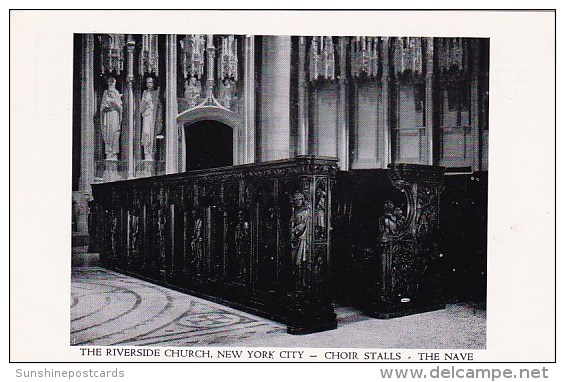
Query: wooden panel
254, 235
386, 237
464, 235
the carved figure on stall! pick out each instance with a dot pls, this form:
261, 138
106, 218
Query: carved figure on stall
242, 243
300, 234
387, 222
423, 224
134, 232
399, 217
113, 235
192, 90
197, 241
320, 214
111, 115
161, 231
150, 109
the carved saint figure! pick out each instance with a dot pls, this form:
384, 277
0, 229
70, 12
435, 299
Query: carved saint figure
111, 113
149, 107
300, 228
161, 230
320, 214
197, 241
388, 222
242, 236
423, 225
192, 90
113, 235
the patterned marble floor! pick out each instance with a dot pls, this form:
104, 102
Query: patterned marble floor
108, 308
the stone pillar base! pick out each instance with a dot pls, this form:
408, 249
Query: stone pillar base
80, 211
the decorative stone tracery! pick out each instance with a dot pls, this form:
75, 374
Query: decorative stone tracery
112, 53
452, 55
149, 55
192, 55
322, 59
364, 56
408, 55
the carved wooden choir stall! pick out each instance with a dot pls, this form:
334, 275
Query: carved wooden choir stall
286, 238
385, 240
256, 236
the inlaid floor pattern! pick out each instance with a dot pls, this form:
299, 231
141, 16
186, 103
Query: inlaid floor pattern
108, 308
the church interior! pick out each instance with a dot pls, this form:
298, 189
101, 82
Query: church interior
322, 191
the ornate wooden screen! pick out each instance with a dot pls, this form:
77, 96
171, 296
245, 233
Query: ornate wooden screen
386, 239
256, 236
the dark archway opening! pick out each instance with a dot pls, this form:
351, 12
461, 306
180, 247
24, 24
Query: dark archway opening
208, 144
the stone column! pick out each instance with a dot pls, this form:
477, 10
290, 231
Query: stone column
88, 109
171, 106
249, 100
302, 99
385, 107
342, 110
130, 46
275, 98
429, 108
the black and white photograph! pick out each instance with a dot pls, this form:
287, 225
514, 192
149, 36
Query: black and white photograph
319, 194
320, 191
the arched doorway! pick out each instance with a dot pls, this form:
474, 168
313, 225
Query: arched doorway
208, 144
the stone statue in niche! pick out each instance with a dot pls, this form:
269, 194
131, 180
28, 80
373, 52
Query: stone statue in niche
300, 234
111, 113
192, 91
320, 215
150, 109
242, 243
391, 221
197, 241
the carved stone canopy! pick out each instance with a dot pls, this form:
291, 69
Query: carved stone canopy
408, 55
364, 56
112, 53
149, 55
322, 58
